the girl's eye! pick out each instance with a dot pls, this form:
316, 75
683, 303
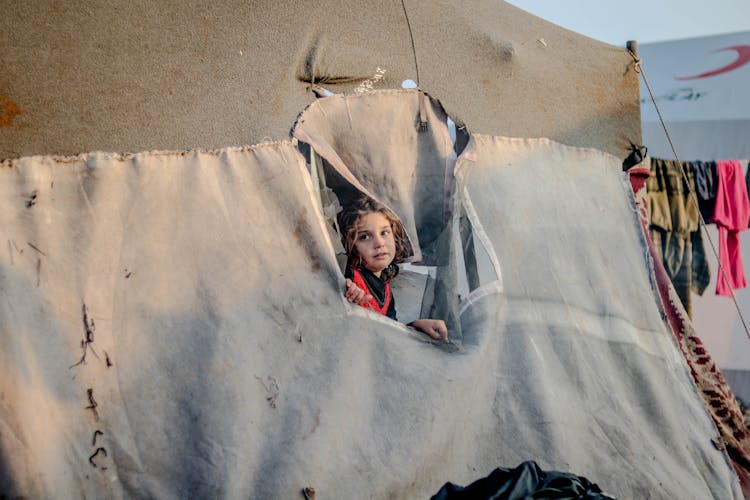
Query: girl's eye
385, 232
363, 236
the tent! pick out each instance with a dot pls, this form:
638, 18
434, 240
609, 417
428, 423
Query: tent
699, 86
172, 321
177, 76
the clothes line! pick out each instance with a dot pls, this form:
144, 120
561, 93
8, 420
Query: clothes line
721, 191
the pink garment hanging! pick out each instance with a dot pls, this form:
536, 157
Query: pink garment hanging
731, 216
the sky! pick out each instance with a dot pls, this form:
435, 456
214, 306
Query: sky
643, 20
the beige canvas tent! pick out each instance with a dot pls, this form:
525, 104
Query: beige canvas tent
172, 322
179, 75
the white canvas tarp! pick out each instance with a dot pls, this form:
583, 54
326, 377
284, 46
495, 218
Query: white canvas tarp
221, 359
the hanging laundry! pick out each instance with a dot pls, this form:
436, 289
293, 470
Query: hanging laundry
701, 272
731, 215
674, 227
705, 187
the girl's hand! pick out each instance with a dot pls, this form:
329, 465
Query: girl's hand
435, 328
355, 294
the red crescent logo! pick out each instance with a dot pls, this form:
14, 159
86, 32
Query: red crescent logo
743, 57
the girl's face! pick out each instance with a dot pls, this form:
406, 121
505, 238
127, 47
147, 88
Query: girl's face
374, 242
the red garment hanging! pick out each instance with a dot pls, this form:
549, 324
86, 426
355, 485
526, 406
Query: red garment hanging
731, 215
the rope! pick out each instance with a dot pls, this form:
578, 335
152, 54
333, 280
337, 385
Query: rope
692, 196
411, 36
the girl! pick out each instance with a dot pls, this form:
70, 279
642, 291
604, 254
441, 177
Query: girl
375, 242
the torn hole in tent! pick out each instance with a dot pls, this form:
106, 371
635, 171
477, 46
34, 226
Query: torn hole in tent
477, 263
399, 148
320, 91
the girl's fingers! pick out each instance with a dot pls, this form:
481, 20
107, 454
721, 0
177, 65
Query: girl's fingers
443, 331
355, 294
439, 330
362, 297
435, 328
352, 293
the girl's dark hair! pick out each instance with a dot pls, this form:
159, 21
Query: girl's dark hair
348, 224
